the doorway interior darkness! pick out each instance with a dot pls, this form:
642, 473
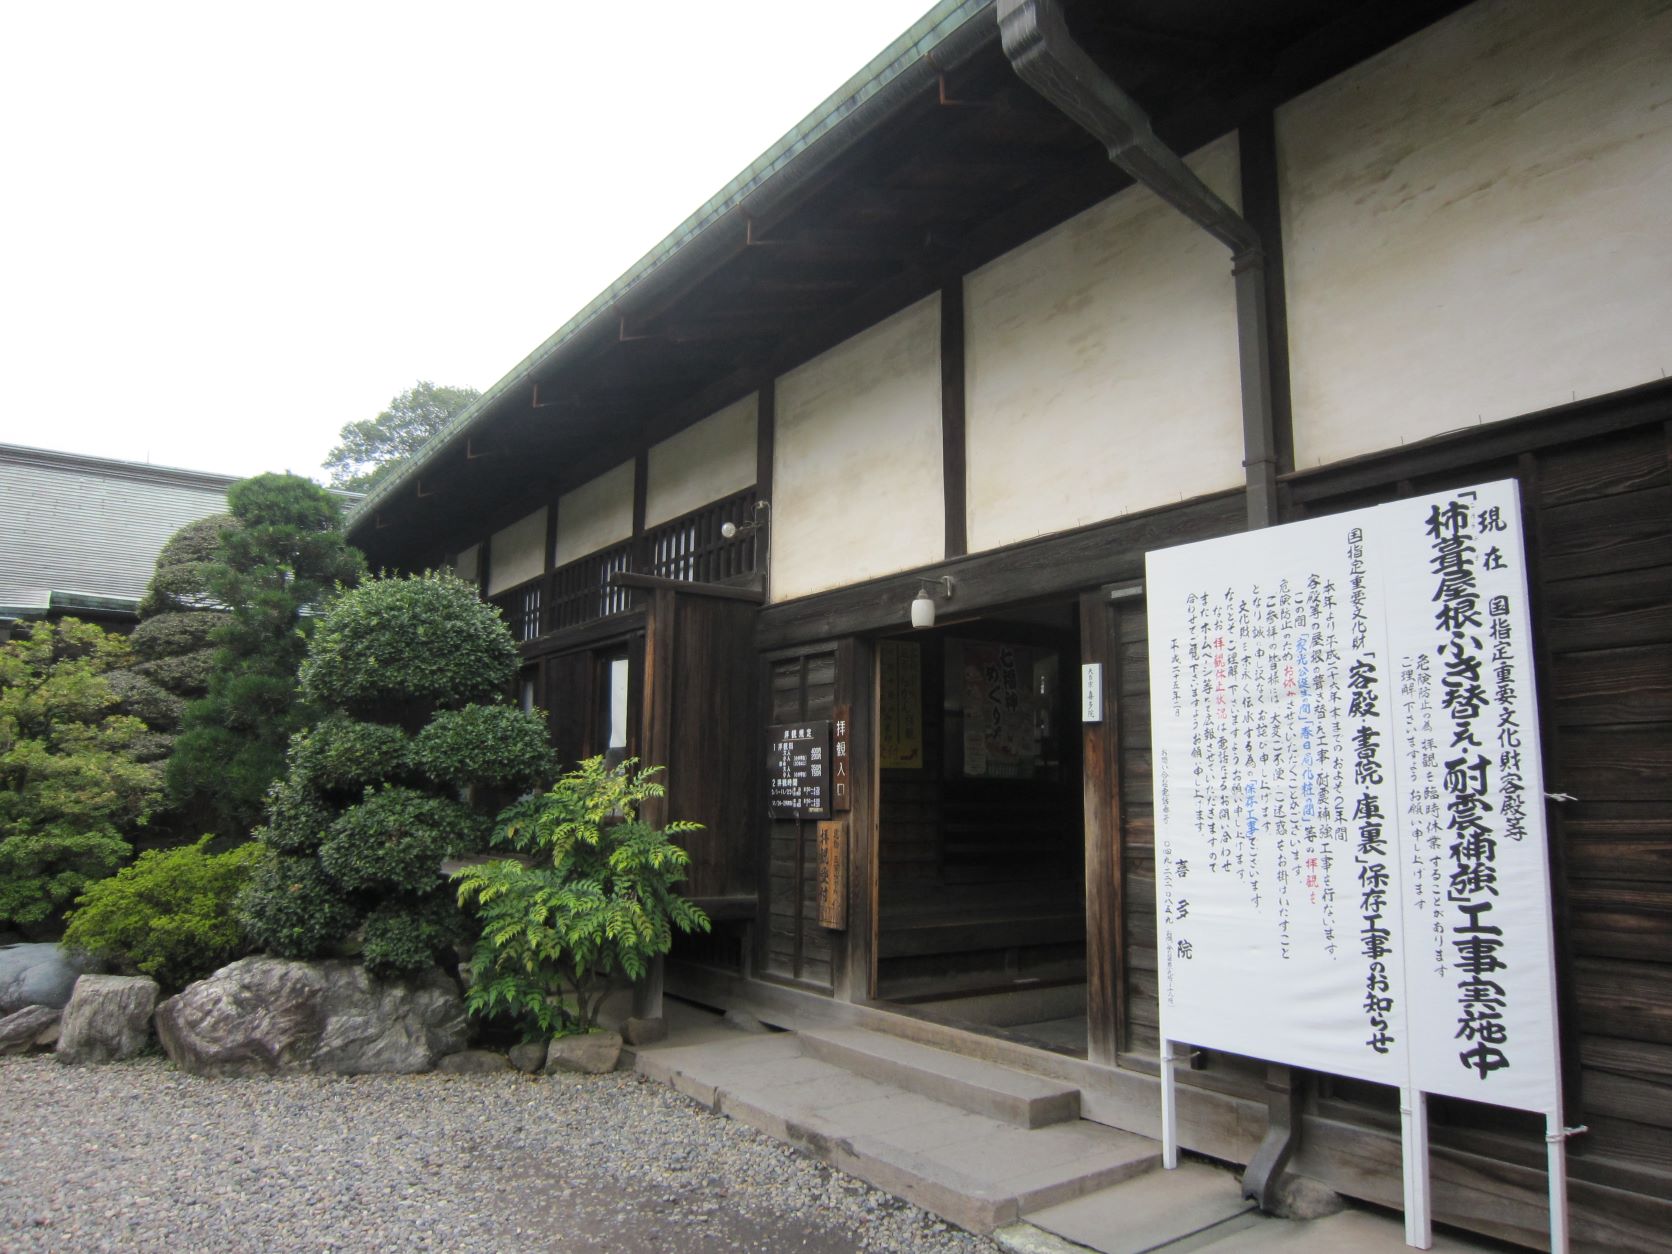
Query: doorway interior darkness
981, 901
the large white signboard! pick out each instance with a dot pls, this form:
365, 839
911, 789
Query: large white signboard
1351, 872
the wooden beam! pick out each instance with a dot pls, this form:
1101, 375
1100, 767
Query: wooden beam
1262, 209
952, 416
1090, 556
728, 592
766, 433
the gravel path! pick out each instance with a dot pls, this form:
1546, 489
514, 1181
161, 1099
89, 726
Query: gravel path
136, 1156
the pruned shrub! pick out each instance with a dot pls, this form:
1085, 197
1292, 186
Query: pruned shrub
426, 642
496, 746
345, 755
404, 934
186, 676
397, 838
372, 811
174, 632
157, 708
170, 915
292, 908
297, 819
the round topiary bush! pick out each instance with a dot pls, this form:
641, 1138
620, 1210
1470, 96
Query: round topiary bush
405, 933
367, 812
497, 746
297, 819
427, 641
397, 838
345, 755
292, 908
174, 632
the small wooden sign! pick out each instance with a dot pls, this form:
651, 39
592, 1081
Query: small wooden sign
833, 874
798, 770
841, 760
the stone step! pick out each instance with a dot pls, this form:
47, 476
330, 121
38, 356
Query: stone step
1172, 1211
975, 1170
982, 1088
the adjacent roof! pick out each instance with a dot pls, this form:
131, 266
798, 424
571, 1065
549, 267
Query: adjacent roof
82, 533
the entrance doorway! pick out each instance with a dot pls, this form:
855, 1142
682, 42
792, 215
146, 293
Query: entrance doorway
981, 869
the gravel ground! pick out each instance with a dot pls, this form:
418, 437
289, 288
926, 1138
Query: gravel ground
136, 1156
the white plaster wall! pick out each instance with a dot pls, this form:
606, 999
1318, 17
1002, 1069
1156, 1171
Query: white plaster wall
708, 460
856, 471
468, 564
596, 514
517, 553
1101, 367
1478, 222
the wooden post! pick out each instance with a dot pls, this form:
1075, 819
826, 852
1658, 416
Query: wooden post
1101, 798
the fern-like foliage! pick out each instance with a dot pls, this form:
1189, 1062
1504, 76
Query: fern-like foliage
587, 901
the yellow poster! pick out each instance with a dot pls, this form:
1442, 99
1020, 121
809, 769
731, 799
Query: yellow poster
901, 715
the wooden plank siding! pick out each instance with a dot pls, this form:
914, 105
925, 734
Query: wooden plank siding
1599, 532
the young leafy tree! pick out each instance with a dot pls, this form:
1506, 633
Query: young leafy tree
590, 903
373, 448
281, 558
69, 787
416, 750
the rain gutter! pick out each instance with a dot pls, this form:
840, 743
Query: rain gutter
1045, 56
946, 36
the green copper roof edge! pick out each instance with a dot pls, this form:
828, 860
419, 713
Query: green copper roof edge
928, 34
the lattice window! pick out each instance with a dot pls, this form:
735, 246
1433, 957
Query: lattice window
582, 592
691, 547
520, 607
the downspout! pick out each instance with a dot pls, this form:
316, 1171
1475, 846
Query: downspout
1045, 56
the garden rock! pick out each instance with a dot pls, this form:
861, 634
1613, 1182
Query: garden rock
529, 1056
270, 1014
593, 1054
474, 1062
37, 975
33, 1027
108, 1018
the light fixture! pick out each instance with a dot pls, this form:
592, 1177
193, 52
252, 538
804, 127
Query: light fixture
731, 530
923, 604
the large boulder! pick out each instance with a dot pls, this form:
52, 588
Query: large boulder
33, 1027
37, 975
271, 1014
108, 1018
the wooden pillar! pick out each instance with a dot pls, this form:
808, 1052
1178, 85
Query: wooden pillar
953, 458
856, 691
1105, 943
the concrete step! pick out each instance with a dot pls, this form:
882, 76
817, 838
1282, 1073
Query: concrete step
1172, 1211
970, 1168
982, 1088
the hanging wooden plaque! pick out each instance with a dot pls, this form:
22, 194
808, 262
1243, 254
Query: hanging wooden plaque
833, 874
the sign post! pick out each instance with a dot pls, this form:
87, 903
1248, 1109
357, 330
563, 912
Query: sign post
1351, 865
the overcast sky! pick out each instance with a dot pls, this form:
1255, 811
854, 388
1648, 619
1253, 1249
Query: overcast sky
228, 229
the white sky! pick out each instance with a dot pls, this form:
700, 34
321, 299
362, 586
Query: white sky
228, 229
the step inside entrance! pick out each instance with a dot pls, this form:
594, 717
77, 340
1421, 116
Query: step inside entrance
981, 895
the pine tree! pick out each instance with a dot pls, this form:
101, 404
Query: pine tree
279, 563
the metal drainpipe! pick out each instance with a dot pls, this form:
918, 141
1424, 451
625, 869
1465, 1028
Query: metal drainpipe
1045, 56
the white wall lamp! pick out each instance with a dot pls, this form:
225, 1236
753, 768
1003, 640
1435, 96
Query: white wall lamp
731, 530
923, 604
